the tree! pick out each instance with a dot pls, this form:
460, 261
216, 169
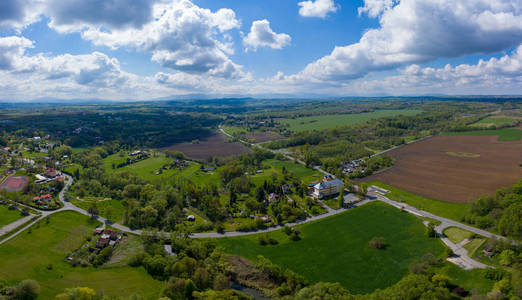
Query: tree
93, 210
77, 293
431, 230
27, 290
340, 199
377, 243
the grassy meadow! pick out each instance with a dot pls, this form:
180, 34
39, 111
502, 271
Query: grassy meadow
336, 249
504, 134
8, 215
490, 121
330, 121
450, 210
40, 254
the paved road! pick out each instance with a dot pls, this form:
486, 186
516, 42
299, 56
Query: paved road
5, 229
332, 212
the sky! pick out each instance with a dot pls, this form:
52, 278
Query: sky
156, 49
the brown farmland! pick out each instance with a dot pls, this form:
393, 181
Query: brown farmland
261, 137
454, 168
213, 145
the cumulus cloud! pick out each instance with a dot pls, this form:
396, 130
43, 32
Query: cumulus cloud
374, 8
11, 50
16, 14
182, 36
317, 8
74, 15
261, 35
420, 31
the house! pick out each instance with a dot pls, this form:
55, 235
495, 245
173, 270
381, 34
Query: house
327, 187
50, 172
265, 218
43, 198
273, 197
110, 234
285, 188
98, 231
191, 218
102, 243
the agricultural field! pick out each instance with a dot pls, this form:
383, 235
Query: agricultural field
7, 215
494, 121
330, 121
504, 134
40, 255
263, 136
336, 249
214, 145
426, 169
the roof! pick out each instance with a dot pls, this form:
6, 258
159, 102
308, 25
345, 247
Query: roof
330, 183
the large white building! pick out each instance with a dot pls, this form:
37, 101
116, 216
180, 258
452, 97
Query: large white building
327, 187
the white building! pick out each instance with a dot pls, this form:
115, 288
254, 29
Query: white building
327, 188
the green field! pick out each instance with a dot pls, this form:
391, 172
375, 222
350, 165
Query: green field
115, 214
468, 279
450, 210
234, 130
8, 215
336, 249
493, 121
504, 134
456, 235
331, 121
306, 175
147, 168
41, 254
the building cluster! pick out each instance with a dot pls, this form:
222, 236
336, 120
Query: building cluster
353, 166
49, 174
107, 237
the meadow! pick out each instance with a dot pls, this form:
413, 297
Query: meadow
450, 210
336, 249
147, 168
490, 121
7, 215
504, 134
330, 121
40, 254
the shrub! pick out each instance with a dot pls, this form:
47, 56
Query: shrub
220, 228
287, 230
377, 243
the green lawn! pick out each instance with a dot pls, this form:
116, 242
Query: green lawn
456, 235
234, 129
102, 204
450, 210
331, 121
147, 168
504, 134
8, 215
336, 249
306, 175
493, 121
29, 255
474, 245
469, 280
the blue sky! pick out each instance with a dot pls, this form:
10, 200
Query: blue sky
143, 49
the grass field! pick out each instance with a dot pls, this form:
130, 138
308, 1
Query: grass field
40, 255
331, 121
469, 280
147, 168
336, 249
115, 214
493, 121
8, 215
504, 134
306, 175
456, 235
450, 210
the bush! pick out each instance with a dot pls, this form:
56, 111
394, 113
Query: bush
265, 239
27, 290
287, 230
220, 228
377, 243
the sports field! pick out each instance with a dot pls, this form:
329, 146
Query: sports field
336, 249
330, 121
14, 183
40, 255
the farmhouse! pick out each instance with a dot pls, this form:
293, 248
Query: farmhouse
329, 186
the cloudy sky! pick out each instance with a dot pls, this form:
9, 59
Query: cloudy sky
147, 49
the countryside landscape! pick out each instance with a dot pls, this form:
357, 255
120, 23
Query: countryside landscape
256, 150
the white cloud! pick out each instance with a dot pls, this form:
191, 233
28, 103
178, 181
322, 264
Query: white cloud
74, 15
261, 35
374, 8
11, 50
182, 36
420, 31
317, 8
17, 14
